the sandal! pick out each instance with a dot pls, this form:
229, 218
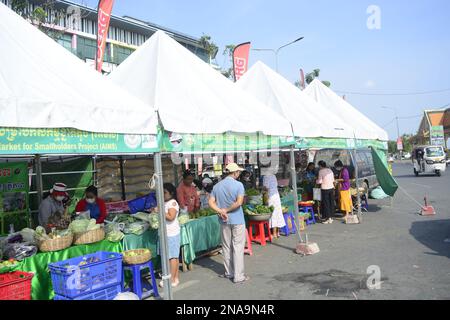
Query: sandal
246, 278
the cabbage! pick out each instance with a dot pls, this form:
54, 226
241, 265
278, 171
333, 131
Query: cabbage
114, 236
182, 219
154, 220
79, 226
40, 234
92, 225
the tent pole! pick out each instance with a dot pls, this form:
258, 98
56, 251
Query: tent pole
122, 179
294, 190
39, 184
168, 295
358, 195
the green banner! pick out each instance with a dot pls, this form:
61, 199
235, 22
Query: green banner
338, 143
23, 141
226, 142
437, 137
14, 188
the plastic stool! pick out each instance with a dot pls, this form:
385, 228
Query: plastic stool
137, 280
248, 247
286, 231
310, 210
260, 236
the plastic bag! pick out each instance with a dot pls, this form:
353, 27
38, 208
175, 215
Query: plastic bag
113, 232
136, 228
317, 194
126, 296
19, 251
84, 215
28, 235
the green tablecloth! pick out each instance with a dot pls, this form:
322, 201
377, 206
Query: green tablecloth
196, 236
41, 285
148, 240
200, 235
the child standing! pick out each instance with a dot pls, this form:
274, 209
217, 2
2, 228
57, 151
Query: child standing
172, 210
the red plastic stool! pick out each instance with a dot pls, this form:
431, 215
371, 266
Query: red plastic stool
260, 236
248, 247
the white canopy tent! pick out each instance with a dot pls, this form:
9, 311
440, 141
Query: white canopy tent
364, 128
189, 95
309, 119
42, 85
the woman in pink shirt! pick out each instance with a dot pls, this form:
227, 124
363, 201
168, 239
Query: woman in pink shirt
187, 193
326, 181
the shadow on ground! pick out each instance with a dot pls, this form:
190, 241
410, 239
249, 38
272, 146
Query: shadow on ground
432, 234
332, 283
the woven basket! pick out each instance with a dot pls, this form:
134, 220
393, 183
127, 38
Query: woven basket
144, 255
55, 244
89, 236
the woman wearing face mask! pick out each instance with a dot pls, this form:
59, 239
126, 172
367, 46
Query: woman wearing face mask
94, 204
345, 198
53, 204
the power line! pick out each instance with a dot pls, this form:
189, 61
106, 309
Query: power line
393, 94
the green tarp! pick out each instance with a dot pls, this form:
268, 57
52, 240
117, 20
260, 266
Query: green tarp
386, 180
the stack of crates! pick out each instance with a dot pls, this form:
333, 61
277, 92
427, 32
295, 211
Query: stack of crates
96, 276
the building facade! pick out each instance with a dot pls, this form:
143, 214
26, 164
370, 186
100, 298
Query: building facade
434, 128
77, 30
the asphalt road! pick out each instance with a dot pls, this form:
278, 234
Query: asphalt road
410, 251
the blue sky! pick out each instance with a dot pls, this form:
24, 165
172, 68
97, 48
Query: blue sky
409, 53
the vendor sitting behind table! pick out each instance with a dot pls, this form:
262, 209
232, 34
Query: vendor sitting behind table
187, 193
53, 203
95, 205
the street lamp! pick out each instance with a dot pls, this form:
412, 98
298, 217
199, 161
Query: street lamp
276, 51
398, 128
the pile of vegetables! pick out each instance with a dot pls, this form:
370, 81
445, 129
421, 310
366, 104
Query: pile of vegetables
83, 225
136, 228
154, 221
252, 192
183, 218
258, 210
133, 253
8, 265
41, 235
113, 233
202, 213
142, 216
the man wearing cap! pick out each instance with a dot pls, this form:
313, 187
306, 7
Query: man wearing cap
53, 203
226, 199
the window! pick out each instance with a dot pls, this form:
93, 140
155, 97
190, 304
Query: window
434, 152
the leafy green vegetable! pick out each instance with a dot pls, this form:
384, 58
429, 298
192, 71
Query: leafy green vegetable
154, 221
182, 219
79, 226
252, 192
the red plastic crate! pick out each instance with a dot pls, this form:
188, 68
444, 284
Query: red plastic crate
15, 286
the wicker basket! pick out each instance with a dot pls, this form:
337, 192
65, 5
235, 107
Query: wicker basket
89, 237
56, 244
143, 256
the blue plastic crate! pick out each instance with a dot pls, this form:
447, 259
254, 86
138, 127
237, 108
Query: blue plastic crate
71, 278
103, 294
142, 203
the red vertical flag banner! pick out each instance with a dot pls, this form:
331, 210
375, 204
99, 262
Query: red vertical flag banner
240, 60
104, 16
302, 80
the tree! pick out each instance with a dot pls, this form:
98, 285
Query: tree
309, 77
210, 47
227, 70
40, 18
